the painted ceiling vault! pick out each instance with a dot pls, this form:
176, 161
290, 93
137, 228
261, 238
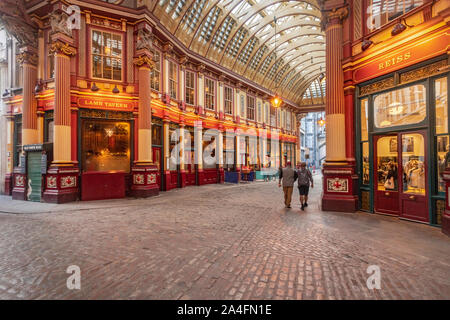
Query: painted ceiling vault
240, 35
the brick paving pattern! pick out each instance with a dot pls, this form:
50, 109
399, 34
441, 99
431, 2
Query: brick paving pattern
216, 242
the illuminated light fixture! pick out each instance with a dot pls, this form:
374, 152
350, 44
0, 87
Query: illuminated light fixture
398, 28
366, 44
115, 90
276, 100
94, 87
321, 122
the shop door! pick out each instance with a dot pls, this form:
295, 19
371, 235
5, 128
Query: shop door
413, 191
157, 159
386, 182
34, 176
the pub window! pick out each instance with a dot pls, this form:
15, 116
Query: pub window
209, 143
155, 73
228, 151
105, 145
365, 163
383, 11
442, 134
250, 108
209, 94
400, 107
228, 100
173, 79
266, 113
17, 139
288, 121
106, 55
190, 88
273, 117
242, 106
174, 160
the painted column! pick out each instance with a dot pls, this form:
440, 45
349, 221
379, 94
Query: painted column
9, 154
144, 171
165, 70
340, 180
181, 142
28, 58
166, 141
219, 151
62, 180
198, 142
201, 90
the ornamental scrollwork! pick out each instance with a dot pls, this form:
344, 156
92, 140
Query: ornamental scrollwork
27, 57
144, 60
144, 40
61, 47
58, 23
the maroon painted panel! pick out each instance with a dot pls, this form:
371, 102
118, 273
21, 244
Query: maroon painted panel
102, 185
210, 176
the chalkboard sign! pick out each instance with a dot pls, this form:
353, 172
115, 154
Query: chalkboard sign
44, 163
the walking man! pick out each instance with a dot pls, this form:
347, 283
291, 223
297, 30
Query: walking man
304, 178
288, 175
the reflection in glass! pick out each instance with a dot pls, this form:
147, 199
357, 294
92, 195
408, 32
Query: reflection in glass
400, 107
106, 146
443, 159
441, 106
364, 120
365, 163
413, 158
387, 161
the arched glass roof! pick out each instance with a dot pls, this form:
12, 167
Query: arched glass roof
240, 35
315, 93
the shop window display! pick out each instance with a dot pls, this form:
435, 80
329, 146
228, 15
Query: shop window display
387, 163
105, 146
400, 107
413, 161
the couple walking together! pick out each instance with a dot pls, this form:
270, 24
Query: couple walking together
289, 175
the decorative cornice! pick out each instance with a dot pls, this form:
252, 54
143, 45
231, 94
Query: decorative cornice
334, 16
58, 23
144, 60
64, 48
28, 57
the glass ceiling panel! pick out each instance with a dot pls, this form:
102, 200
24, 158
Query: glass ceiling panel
244, 31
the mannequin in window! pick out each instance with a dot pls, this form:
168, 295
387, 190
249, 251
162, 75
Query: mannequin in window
447, 157
414, 175
391, 177
421, 182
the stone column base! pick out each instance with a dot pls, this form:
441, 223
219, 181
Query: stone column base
220, 175
182, 179
340, 188
144, 180
446, 215
8, 184
19, 191
200, 177
61, 183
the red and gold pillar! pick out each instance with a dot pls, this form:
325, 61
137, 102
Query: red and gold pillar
144, 171
340, 180
62, 179
29, 59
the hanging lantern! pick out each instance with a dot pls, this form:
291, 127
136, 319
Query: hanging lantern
321, 122
276, 101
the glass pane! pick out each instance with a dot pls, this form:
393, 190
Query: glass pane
97, 66
107, 44
97, 42
387, 161
364, 120
400, 107
413, 158
106, 146
441, 106
443, 159
117, 69
107, 68
365, 163
174, 156
116, 45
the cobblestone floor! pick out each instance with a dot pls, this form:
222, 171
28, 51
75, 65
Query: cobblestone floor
216, 242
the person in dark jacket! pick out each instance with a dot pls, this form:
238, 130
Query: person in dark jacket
304, 179
288, 175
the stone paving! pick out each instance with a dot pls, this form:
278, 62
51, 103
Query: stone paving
216, 242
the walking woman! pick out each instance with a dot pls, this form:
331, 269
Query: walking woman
304, 179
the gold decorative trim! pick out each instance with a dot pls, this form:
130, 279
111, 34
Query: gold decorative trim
377, 86
144, 60
27, 57
424, 72
64, 48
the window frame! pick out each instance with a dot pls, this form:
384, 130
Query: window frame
122, 55
194, 97
160, 73
251, 108
206, 94
225, 100
170, 80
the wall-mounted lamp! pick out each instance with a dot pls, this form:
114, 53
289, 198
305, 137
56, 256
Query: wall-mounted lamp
366, 44
94, 87
115, 90
38, 88
398, 28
